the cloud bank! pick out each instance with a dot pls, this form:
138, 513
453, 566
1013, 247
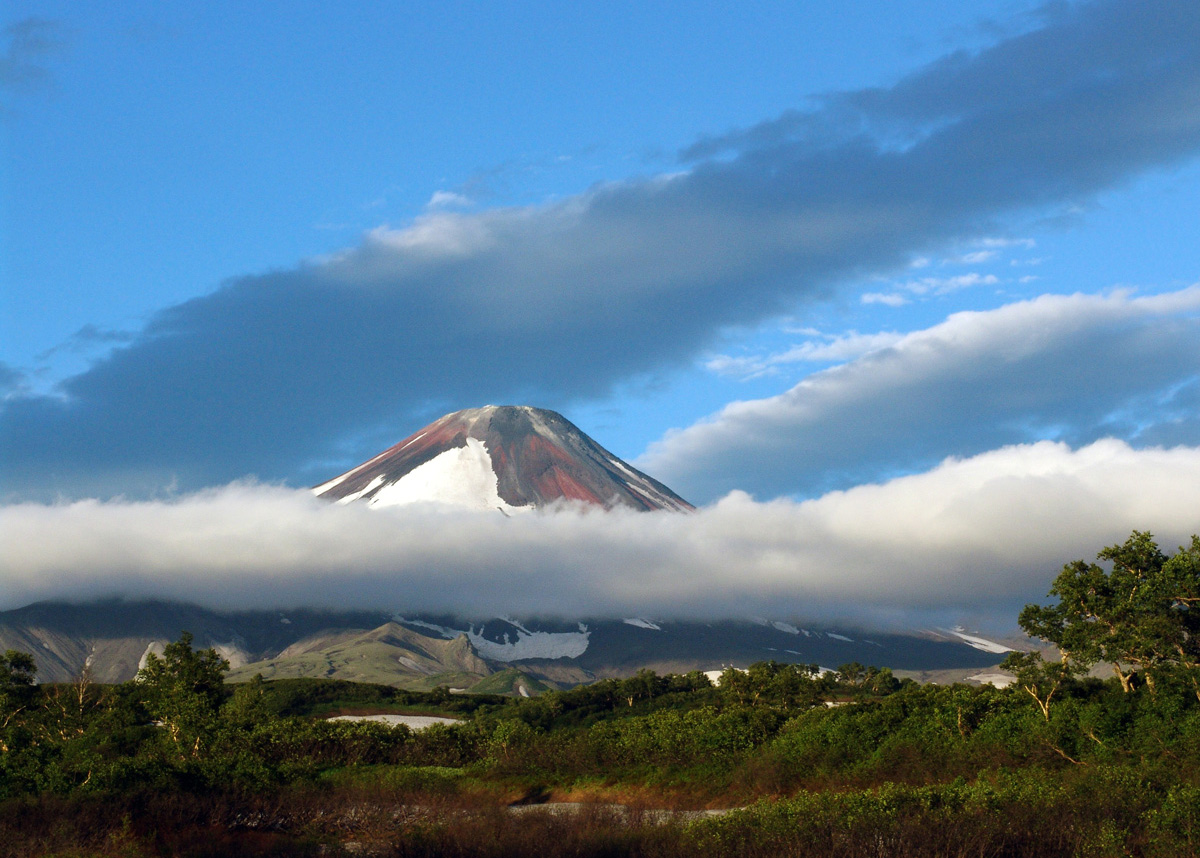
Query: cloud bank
1070, 367
286, 373
977, 536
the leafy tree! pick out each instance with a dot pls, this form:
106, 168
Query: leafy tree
881, 681
644, 685
1180, 634
1039, 678
249, 704
184, 690
17, 689
1141, 617
852, 673
772, 683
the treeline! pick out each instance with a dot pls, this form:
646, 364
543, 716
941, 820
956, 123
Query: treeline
846, 762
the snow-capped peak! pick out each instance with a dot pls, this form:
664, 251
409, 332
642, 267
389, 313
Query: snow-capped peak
502, 457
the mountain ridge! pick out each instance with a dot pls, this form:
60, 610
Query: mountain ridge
110, 639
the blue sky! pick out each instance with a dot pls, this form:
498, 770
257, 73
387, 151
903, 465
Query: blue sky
777, 248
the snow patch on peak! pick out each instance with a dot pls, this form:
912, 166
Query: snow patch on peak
642, 624
336, 481
462, 477
371, 486
786, 627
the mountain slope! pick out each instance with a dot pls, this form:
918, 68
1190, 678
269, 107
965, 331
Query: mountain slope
112, 638
389, 654
507, 457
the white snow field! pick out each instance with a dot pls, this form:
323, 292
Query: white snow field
413, 722
460, 477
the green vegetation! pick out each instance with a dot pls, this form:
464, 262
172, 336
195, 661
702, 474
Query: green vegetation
845, 763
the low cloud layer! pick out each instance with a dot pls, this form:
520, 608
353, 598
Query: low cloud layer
1069, 367
292, 374
975, 537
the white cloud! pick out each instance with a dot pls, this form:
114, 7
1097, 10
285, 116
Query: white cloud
1000, 243
890, 299
976, 257
1059, 366
447, 199
980, 536
836, 347
944, 285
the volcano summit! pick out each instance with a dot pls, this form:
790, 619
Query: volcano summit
506, 457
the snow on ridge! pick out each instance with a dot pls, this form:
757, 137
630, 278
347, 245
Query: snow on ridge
336, 481
445, 631
514, 623
979, 643
353, 496
786, 627
530, 644
414, 439
527, 645
539, 425
642, 624
838, 637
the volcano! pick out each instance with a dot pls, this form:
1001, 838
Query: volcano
507, 457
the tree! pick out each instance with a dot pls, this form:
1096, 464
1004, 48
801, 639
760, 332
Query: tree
1039, 678
69, 707
881, 680
643, 685
184, 690
1181, 636
1141, 617
852, 673
781, 685
17, 689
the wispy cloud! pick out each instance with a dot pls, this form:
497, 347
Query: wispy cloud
561, 301
975, 257
945, 285
1000, 242
888, 299
1059, 366
88, 338
448, 200
826, 349
978, 536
